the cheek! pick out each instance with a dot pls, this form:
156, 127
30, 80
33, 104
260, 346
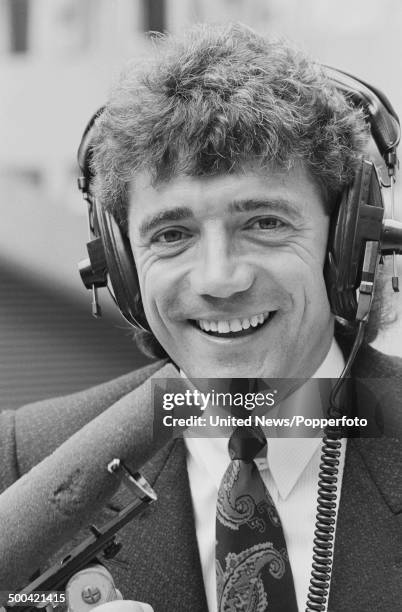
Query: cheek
303, 280
145, 261
317, 310
148, 278
159, 288
321, 241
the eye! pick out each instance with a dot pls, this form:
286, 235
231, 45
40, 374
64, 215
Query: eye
170, 236
267, 223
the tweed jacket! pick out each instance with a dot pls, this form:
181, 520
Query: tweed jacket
159, 562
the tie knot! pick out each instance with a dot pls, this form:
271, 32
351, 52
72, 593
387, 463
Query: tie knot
246, 442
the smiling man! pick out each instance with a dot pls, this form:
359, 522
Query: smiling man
223, 159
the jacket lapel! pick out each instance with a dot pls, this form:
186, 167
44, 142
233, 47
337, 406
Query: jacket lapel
367, 560
366, 575
159, 563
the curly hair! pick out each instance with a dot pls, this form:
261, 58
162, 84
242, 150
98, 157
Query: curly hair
215, 99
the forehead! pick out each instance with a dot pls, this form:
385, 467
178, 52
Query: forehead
292, 192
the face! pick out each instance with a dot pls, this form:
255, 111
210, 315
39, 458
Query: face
231, 272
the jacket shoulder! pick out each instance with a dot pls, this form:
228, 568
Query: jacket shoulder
43, 426
371, 363
8, 461
378, 380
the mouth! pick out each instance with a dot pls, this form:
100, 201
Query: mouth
233, 328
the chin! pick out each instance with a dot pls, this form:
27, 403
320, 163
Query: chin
235, 370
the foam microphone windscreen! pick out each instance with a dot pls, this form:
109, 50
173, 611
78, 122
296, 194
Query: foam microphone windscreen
42, 510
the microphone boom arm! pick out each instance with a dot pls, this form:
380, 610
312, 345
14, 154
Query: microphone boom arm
101, 541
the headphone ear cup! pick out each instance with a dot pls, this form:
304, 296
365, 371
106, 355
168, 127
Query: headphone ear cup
121, 268
341, 295
358, 219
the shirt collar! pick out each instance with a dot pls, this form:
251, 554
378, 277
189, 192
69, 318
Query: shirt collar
287, 457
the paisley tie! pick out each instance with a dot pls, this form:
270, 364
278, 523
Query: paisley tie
252, 566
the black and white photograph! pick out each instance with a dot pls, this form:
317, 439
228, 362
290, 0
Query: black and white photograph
200, 307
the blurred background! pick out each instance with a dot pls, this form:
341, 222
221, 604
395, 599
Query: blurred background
57, 61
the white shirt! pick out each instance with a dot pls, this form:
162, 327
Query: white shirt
290, 473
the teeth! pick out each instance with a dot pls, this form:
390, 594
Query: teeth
223, 327
233, 325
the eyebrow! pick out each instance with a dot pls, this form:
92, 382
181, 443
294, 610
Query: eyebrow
172, 214
179, 213
280, 205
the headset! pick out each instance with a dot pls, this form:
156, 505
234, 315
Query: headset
359, 235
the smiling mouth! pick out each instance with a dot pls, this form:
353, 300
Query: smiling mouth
233, 328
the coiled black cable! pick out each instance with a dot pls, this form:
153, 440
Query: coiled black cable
324, 534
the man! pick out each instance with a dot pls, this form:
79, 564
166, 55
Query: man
223, 160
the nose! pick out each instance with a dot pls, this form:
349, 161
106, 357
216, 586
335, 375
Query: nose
218, 271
